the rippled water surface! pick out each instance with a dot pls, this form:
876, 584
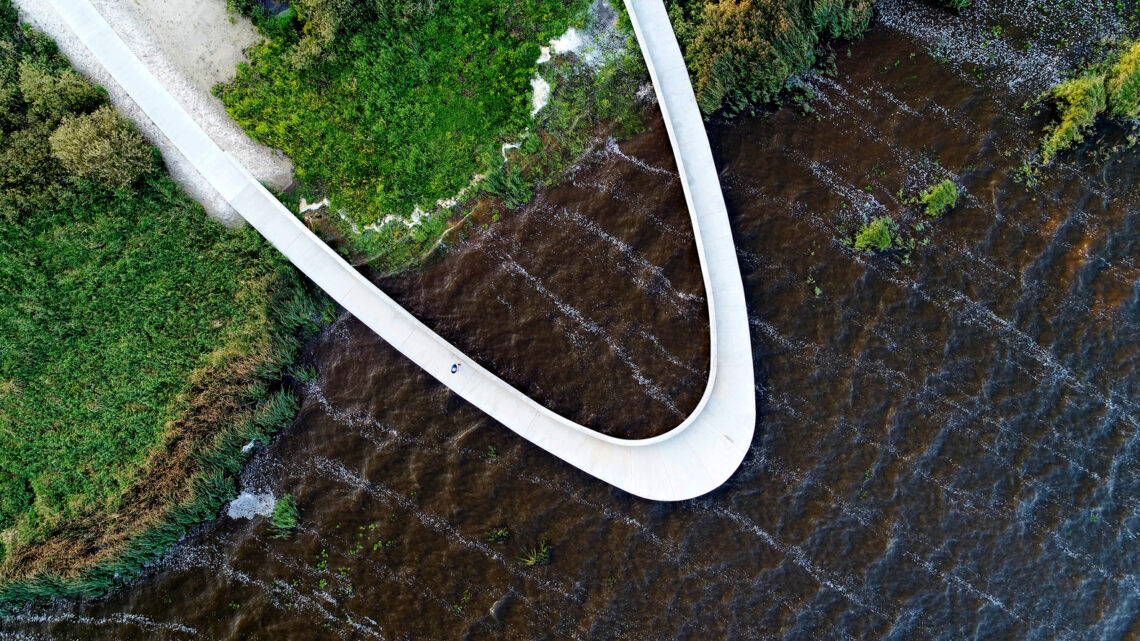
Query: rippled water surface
947, 445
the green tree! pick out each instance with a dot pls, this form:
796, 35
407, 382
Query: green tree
102, 146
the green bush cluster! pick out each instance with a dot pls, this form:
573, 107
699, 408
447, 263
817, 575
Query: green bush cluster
55, 125
957, 4
741, 52
940, 198
393, 104
877, 235
121, 307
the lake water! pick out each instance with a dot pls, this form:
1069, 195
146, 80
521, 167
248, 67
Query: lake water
946, 447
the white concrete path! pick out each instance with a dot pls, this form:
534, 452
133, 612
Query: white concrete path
693, 458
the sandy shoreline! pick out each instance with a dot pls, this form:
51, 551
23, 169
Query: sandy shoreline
189, 48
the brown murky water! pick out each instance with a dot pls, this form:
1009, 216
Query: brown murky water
947, 446
591, 292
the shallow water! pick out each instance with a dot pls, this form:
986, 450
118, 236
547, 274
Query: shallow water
946, 449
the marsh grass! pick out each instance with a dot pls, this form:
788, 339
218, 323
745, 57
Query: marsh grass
1110, 84
1123, 83
141, 345
498, 535
877, 235
537, 555
285, 517
1079, 101
940, 198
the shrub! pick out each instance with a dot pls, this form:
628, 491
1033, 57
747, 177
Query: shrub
940, 198
1124, 83
102, 146
877, 235
1079, 101
741, 52
957, 4
285, 517
51, 96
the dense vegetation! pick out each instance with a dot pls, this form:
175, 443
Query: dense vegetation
940, 198
1110, 84
1079, 101
741, 52
285, 517
138, 339
390, 105
877, 235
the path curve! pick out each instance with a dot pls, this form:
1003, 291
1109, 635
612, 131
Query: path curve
693, 458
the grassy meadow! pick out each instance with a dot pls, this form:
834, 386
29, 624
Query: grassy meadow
141, 344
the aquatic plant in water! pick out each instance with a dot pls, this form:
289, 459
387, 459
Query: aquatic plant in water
1079, 101
940, 198
498, 535
1124, 83
536, 556
285, 517
876, 235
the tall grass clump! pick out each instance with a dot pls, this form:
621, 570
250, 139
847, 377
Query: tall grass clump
940, 198
285, 517
877, 235
539, 555
1079, 101
1123, 83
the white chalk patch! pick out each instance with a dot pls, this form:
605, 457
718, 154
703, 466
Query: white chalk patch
247, 506
305, 206
541, 94
248, 446
507, 146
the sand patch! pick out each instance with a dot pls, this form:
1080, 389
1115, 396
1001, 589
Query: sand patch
201, 39
189, 47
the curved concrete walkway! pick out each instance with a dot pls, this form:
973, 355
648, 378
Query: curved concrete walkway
693, 458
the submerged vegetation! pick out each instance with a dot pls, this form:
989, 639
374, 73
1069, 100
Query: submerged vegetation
140, 342
740, 53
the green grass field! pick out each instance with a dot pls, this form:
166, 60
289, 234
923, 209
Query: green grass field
140, 341
399, 104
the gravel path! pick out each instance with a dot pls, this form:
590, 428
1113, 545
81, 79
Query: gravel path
190, 47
